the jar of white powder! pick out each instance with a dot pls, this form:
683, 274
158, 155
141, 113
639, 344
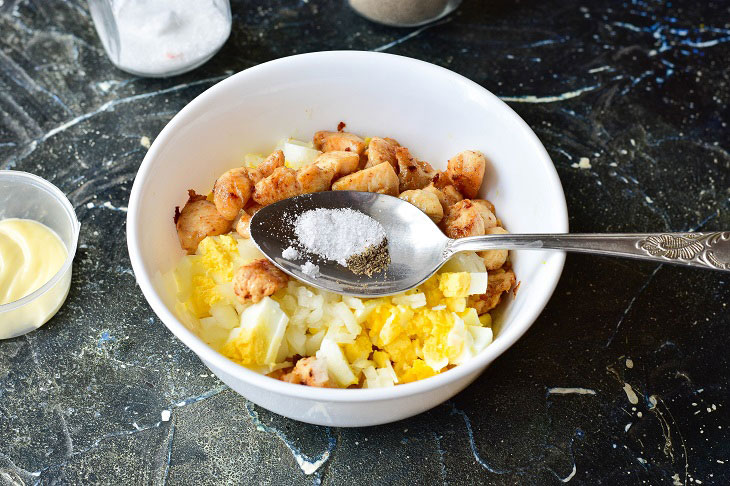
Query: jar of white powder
159, 38
404, 13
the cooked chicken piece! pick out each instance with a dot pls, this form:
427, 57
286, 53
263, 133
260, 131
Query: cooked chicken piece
308, 371
381, 179
341, 163
338, 141
270, 164
256, 280
232, 191
487, 214
466, 169
452, 195
499, 281
412, 173
442, 179
198, 219
327, 167
243, 225
494, 259
465, 219
426, 201
316, 177
487, 204
281, 184
382, 150
447, 192
312, 178
448, 196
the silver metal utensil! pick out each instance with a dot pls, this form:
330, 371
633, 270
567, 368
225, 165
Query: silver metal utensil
418, 248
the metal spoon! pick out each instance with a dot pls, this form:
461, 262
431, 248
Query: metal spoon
418, 248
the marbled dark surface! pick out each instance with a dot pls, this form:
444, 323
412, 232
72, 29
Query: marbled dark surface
622, 380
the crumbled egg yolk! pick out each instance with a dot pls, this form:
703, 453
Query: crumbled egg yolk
358, 350
370, 342
218, 255
418, 371
213, 264
203, 296
247, 348
454, 284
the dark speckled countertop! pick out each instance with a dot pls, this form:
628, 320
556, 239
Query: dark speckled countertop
622, 380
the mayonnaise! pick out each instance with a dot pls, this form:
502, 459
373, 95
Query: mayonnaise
30, 255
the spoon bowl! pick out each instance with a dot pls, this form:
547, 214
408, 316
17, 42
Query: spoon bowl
416, 248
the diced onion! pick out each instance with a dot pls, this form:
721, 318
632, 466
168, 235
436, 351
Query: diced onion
413, 301
465, 261
299, 154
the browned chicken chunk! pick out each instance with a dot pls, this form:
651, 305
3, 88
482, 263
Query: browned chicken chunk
231, 192
466, 169
448, 196
281, 184
233, 189
199, 218
467, 218
269, 165
412, 173
316, 177
382, 150
340, 163
441, 180
256, 280
308, 371
426, 201
313, 178
338, 141
486, 211
487, 204
381, 179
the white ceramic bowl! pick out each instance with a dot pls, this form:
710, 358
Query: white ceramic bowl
434, 112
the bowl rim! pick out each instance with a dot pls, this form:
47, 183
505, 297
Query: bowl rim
211, 357
33, 180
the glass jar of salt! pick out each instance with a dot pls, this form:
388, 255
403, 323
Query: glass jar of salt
159, 38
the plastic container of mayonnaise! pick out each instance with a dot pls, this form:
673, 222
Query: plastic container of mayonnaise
26, 196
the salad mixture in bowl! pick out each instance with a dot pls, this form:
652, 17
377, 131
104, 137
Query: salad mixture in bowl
227, 293
432, 111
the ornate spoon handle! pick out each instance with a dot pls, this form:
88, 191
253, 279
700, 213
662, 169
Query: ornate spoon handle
705, 250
